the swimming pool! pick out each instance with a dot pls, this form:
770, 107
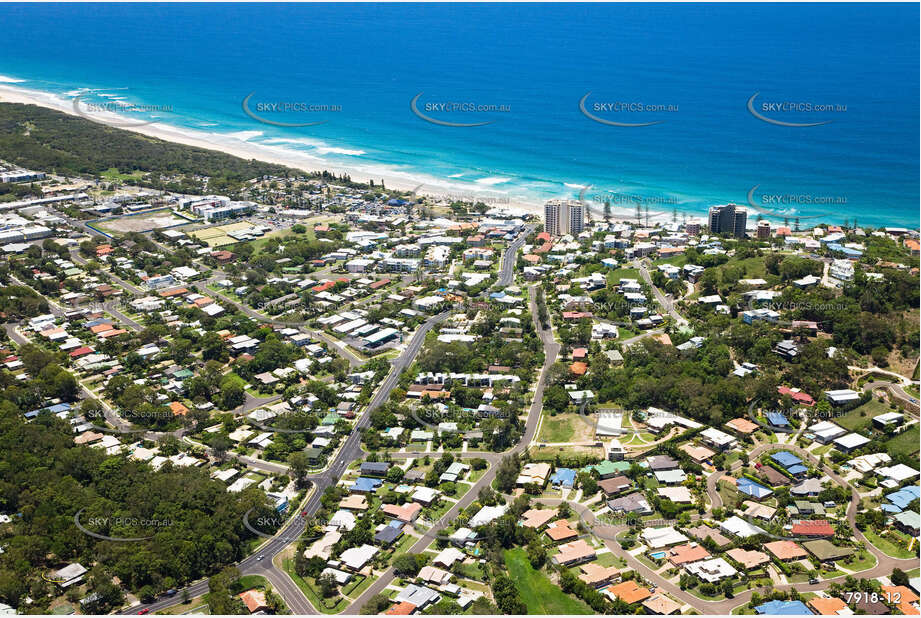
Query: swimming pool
657, 555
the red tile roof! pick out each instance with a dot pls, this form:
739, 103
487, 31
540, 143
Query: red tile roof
403, 608
813, 527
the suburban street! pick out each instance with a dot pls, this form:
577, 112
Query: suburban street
510, 257
666, 304
336, 347
348, 452
263, 560
883, 568
551, 349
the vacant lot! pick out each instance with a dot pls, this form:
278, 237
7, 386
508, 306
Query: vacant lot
567, 428
140, 223
550, 453
862, 416
537, 591
906, 442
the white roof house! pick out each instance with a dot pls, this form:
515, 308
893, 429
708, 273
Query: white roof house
425, 495
851, 441
711, 570
898, 472
662, 537
739, 527
356, 558
71, 574
827, 431
448, 557
486, 515
717, 438
670, 477
610, 423
342, 519
240, 484
341, 577
889, 418
420, 596
842, 396
867, 463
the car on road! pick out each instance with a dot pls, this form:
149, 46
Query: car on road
146, 610
260, 558
813, 581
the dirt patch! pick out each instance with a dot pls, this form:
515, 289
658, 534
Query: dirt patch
142, 223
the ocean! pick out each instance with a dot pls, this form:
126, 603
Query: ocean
801, 110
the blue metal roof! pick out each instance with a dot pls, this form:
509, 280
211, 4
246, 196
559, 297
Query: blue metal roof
777, 419
753, 489
902, 498
786, 458
563, 476
833, 246
364, 483
784, 608
58, 407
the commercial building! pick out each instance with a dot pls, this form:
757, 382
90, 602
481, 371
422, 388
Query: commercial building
21, 176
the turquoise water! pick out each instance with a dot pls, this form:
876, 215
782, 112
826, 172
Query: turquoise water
696, 65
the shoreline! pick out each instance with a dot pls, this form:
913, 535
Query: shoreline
439, 189
442, 188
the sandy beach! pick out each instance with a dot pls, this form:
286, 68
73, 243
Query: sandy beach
237, 145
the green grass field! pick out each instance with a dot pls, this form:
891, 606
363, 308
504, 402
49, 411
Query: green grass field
677, 260
259, 244
537, 591
906, 442
113, 174
754, 267
886, 546
862, 416
623, 273
556, 429
567, 428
